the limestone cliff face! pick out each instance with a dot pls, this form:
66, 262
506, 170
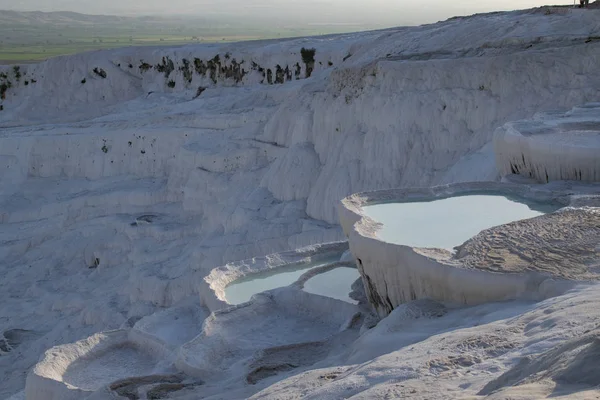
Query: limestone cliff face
402, 107
398, 123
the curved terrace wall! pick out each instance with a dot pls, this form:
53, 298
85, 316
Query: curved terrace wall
218, 279
47, 379
552, 147
394, 273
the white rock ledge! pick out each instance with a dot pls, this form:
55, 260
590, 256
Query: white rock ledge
394, 274
552, 147
163, 332
279, 317
74, 371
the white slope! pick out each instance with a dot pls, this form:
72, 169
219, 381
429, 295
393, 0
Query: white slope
120, 194
497, 351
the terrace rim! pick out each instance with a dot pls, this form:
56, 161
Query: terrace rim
394, 274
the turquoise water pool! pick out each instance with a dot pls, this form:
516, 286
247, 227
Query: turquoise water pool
449, 222
335, 283
243, 289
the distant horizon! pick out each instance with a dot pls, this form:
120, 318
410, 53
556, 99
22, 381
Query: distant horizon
375, 13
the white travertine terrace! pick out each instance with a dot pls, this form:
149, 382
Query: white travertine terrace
394, 273
221, 277
74, 371
552, 147
237, 333
200, 343
119, 197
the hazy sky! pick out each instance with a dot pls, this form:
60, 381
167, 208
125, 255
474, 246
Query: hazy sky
378, 12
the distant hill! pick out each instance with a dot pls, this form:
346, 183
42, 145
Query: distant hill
68, 18
61, 17
28, 36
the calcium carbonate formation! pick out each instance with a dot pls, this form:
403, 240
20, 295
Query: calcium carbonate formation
134, 180
552, 147
525, 259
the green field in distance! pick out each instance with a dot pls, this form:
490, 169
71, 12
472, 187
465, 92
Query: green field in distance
35, 36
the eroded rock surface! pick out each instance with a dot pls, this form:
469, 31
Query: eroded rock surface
562, 244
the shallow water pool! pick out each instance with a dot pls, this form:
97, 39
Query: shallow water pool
449, 222
335, 283
243, 289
